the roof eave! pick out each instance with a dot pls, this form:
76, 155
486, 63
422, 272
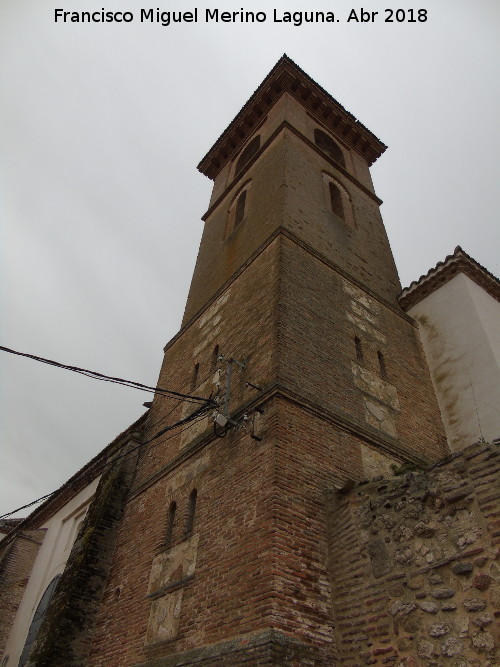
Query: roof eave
287, 77
443, 272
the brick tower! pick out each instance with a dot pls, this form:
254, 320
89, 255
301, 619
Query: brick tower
292, 324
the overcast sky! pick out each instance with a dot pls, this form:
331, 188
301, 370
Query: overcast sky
102, 126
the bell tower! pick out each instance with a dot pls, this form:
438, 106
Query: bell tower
291, 177
292, 325
293, 160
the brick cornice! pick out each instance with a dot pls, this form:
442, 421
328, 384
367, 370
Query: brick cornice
287, 77
346, 423
281, 232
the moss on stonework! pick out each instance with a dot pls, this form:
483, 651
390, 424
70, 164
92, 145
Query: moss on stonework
403, 469
64, 636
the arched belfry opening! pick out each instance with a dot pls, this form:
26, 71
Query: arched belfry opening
336, 200
247, 154
325, 143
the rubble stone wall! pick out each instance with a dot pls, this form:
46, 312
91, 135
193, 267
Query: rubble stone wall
415, 566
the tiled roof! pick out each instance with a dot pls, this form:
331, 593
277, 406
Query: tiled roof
287, 77
458, 262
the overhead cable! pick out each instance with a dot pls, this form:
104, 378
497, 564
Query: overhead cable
108, 378
195, 416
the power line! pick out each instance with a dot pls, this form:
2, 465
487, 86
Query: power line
109, 378
34, 502
194, 417
175, 406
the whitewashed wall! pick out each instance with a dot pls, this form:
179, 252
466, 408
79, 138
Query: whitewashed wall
460, 330
61, 532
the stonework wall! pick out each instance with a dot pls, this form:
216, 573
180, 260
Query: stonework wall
319, 323
242, 323
414, 564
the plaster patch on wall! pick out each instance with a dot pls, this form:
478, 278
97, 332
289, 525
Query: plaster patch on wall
366, 327
164, 618
195, 430
210, 387
169, 568
186, 474
209, 336
376, 463
380, 418
173, 565
375, 386
362, 312
212, 310
360, 295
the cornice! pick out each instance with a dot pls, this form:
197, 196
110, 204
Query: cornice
285, 125
364, 432
285, 233
443, 272
287, 77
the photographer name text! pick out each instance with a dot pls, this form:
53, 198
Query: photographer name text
206, 15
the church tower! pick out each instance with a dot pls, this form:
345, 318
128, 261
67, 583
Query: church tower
293, 329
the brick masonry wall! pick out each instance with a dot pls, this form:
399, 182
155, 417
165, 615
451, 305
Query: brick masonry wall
318, 325
287, 190
414, 564
242, 322
17, 555
201, 588
257, 558
361, 250
223, 250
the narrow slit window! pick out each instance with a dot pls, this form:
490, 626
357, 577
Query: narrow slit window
239, 212
191, 513
336, 200
215, 358
381, 363
170, 522
194, 377
359, 349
